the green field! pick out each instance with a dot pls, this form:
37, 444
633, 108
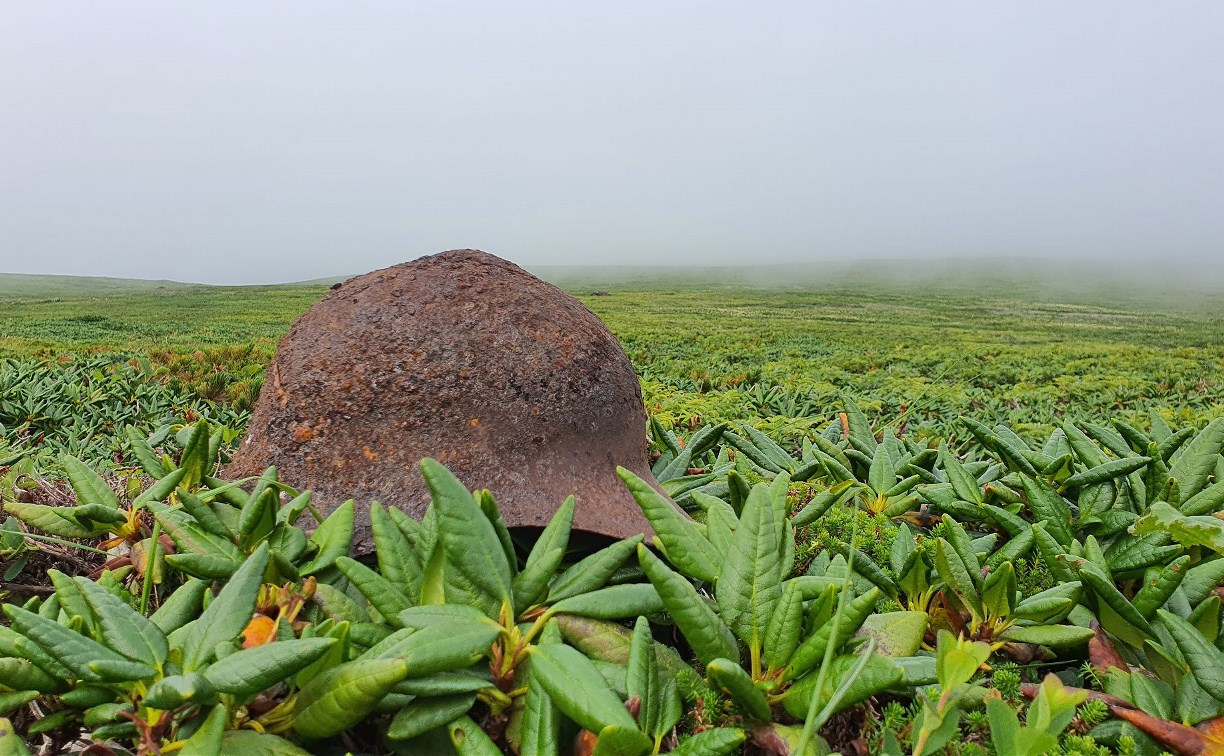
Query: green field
1014, 344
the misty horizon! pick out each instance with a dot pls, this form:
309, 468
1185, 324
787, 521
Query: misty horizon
247, 144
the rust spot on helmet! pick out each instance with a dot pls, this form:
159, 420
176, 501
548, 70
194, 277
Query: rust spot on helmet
466, 358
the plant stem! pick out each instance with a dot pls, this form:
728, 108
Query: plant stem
809, 722
150, 558
62, 542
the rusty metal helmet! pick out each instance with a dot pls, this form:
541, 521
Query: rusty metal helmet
466, 358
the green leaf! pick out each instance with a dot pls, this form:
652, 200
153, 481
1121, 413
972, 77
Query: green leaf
541, 720
443, 684
251, 743
785, 626
1197, 460
860, 427
89, 487
207, 740
687, 549
475, 571
23, 674
855, 677
227, 615
721, 523
954, 574
1054, 636
254, 670
812, 650
720, 741
56, 521
1188, 531
621, 741
446, 647
541, 717
957, 661
896, 633
1048, 508
194, 460
578, 689
1109, 471
750, 582
594, 571
340, 697
1048, 604
881, 475
10, 742
963, 483
204, 514
139, 445
1004, 727
469, 740
642, 679
382, 594
333, 538
71, 601
488, 505
84, 657
258, 517
428, 615
123, 628
424, 714
397, 561
1103, 586
706, 633
190, 537
613, 602
732, 678
1205, 660
531, 585
176, 690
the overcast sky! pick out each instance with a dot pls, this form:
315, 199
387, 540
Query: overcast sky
261, 141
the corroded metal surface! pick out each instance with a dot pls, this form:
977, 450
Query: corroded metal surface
466, 358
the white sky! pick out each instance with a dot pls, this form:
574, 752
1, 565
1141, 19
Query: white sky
261, 141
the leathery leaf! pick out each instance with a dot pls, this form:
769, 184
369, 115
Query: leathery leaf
750, 582
340, 697
88, 486
475, 570
468, 739
443, 647
578, 689
642, 679
874, 675
720, 741
84, 657
687, 549
613, 602
615, 740
382, 594
706, 633
227, 615
785, 626
1197, 460
731, 677
956, 577
1205, 660
531, 585
254, 670
332, 538
396, 559
123, 628
594, 571
424, 714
